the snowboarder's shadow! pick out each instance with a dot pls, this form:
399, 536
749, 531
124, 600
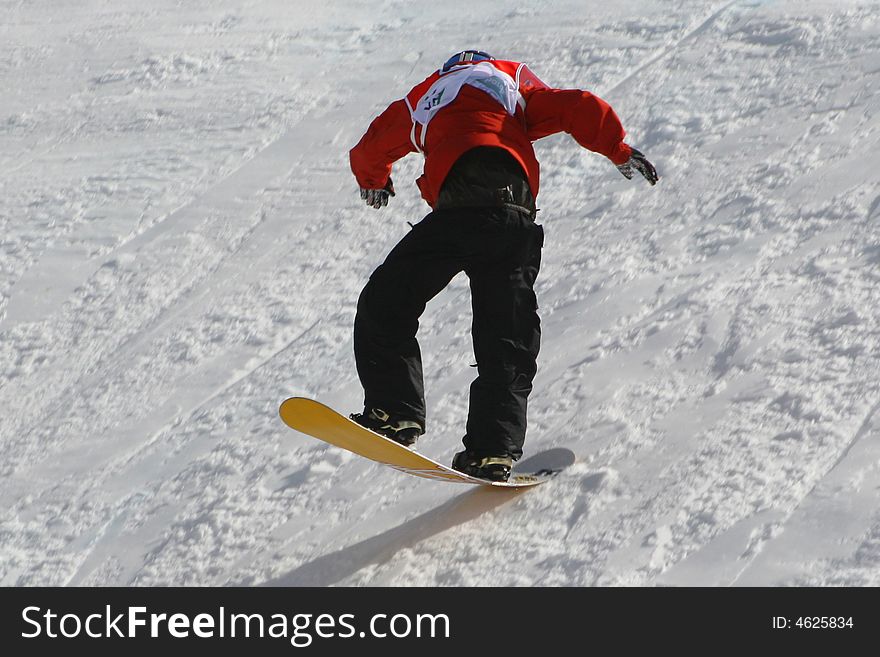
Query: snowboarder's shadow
335, 567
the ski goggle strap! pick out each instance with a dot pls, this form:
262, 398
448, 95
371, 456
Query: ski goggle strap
466, 56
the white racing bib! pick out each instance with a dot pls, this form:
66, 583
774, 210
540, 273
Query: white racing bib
498, 84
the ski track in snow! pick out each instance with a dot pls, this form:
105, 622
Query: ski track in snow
183, 247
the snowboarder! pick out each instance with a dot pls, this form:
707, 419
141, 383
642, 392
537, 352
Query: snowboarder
474, 120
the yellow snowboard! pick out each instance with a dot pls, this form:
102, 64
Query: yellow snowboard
322, 422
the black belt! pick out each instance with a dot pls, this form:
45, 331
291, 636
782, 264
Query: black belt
505, 197
486, 177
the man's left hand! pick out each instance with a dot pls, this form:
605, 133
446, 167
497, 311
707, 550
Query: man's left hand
640, 163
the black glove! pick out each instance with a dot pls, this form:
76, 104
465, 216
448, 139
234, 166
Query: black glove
378, 198
640, 163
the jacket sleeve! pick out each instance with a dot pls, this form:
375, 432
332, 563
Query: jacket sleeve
586, 117
385, 141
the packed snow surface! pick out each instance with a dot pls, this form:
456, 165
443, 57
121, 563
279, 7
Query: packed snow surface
182, 245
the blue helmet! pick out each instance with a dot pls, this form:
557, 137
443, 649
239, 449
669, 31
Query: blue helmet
466, 56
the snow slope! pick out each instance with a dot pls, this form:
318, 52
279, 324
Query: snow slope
182, 246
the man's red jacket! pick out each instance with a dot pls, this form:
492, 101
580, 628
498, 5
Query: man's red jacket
506, 105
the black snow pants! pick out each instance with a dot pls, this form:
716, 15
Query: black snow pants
499, 248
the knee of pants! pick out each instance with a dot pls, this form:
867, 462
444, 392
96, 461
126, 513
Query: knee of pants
517, 372
380, 309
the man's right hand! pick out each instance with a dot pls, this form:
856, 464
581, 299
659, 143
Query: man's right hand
640, 163
378, 198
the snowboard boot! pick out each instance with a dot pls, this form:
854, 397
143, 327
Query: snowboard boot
396, 428
493, 468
